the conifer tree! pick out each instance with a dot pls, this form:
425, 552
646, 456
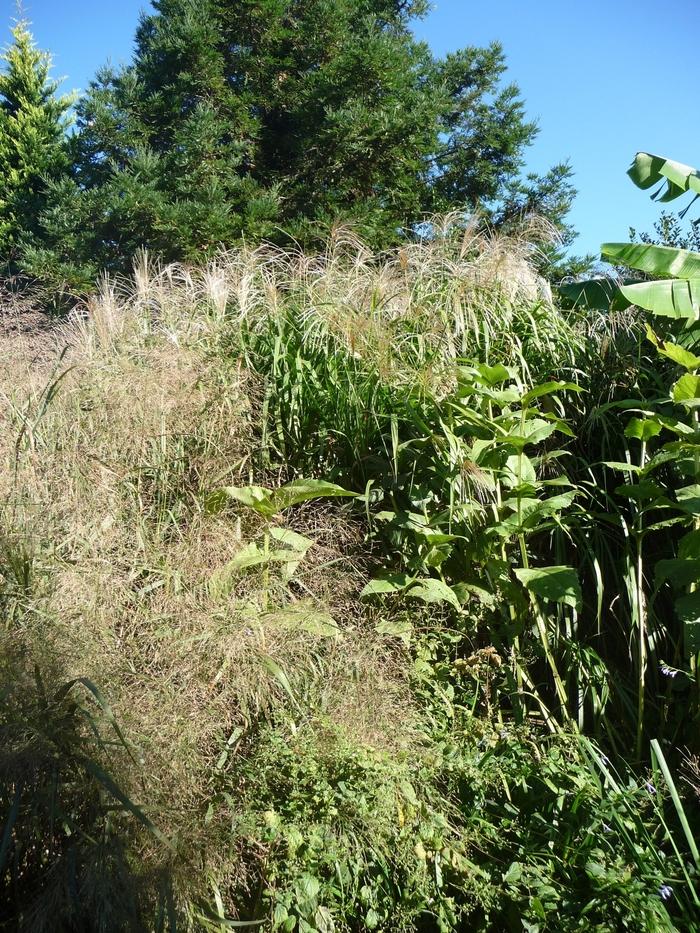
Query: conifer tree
161, 159
277, 118
33, 122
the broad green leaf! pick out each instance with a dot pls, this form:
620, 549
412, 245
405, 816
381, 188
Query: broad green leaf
464, 591
323, 921
431, 590
558, 503
674, 351
269, 502
253, 555
597, 294
563, 428
556, 584
549, 388
676, 426
298, 546
689, 499
519, 469
493, 375
255, 497
663, 261
390, 583
622, 466
309, 886
503, 397
688, 607
687, 390
689, 545
643, 429
671, 452
514, 873
529, 513
645, 491
648, 170
436, 538
674, 298
291, 539
222, 580
679, 572
525, 505
418, 525
688, 610
303, 490
536, 430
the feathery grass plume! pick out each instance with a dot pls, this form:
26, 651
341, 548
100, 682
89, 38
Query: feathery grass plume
304, 756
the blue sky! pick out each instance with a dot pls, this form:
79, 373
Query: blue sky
603, 79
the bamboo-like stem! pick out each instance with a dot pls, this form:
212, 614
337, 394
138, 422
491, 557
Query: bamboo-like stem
641, 617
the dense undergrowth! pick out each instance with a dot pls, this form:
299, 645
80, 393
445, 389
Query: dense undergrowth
460, 700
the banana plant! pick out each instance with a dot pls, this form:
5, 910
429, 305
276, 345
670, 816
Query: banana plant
675, 292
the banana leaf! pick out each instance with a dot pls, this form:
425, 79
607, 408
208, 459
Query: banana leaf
655, 260
601, 294
674, 298
675, 178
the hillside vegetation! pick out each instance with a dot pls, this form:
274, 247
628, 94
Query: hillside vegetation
235, 699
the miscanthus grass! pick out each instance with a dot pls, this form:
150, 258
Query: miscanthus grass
202, 724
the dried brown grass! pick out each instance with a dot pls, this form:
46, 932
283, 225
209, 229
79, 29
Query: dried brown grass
112, 429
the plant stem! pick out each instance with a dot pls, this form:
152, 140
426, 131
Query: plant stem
641, 617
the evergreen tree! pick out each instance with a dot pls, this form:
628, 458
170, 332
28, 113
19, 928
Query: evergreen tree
347, 104
278, 118
33, 122
160, 159
549, 196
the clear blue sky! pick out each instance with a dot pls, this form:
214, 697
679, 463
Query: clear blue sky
603, 79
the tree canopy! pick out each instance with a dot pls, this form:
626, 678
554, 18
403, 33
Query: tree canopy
33, 122
278, 118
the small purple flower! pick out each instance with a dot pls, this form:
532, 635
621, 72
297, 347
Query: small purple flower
606, 828
665, 892
668, 671
650, 787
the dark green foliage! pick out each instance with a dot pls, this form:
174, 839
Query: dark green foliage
482, 832
33, 123
549, 196
277, 119
484, 126
346, 105
63, 863
161, 159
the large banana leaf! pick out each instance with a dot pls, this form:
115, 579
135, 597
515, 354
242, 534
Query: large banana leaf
656, 260
668, 298
600, 294
677, 297
648, 170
